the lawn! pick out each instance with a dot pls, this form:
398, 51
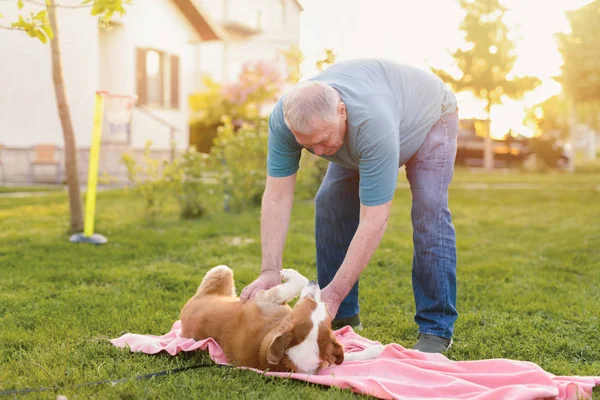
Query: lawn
29, 189
529, 287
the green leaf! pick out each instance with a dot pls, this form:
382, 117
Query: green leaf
48, 31
41, 16
20, 4
40, 35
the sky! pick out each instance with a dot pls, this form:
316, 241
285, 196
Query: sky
424, 33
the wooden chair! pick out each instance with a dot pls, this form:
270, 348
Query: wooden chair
45, 154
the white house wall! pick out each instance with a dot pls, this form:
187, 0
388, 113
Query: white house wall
28, 111
279, 31
159, 25
28, 108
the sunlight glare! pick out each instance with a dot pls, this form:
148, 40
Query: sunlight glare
410, 32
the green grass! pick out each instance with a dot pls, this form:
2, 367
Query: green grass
29, 189
529, 287
514, 176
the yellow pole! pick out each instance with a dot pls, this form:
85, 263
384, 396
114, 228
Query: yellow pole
90, 204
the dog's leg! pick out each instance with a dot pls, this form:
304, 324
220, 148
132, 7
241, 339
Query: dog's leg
219, 280
371, 353
281, 294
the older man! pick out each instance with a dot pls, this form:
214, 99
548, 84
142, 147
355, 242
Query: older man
368, 117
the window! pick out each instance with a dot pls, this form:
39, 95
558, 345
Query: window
157, 78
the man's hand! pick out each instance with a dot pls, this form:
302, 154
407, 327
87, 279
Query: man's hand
373, 221
274, 221
331, 301
266, 280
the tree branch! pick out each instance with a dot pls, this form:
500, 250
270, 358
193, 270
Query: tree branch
10, 28
43, 3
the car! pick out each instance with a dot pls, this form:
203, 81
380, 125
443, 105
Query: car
512, 151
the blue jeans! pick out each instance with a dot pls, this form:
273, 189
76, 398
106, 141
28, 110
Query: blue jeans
429, 172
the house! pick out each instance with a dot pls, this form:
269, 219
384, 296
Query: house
255, 30
158, 51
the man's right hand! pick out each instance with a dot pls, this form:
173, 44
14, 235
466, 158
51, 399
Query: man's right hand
266, 280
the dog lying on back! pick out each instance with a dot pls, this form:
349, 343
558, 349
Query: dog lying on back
265, 332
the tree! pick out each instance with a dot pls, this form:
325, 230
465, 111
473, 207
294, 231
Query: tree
327, 60
43, 25
549, 117
486, 61
293, 60
580, 50
580, 78
553, 116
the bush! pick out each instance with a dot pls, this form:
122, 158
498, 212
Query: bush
240, 159
153, 180
547, 153
191, 189
183, 179
258, 84
311, 174
202, 136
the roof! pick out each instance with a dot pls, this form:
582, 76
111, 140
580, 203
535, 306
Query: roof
210, 30
200, 20
298, 4
236, 30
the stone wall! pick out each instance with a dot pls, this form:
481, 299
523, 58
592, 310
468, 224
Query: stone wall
17, 167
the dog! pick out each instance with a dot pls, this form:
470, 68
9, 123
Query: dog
265, 332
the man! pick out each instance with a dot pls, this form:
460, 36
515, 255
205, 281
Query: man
367, 117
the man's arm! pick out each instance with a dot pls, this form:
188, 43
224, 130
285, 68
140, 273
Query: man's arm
275, 219
373, 222
276, 209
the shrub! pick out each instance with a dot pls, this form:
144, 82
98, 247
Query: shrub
547, 152
258, 84
191, 191
240, 159
153, 180
311, 174
207, 107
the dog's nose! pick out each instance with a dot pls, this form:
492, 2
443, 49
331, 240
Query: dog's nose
312, 289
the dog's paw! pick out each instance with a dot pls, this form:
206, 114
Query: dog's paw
370, 353
290, 275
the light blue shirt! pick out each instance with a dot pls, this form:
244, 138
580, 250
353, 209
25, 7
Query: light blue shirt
391, 107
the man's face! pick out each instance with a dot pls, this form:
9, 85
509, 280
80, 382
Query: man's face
328, 137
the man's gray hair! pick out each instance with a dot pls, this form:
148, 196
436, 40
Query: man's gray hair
308, 104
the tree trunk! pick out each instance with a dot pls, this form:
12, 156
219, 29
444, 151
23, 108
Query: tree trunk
488, 150
75, 203
572, 128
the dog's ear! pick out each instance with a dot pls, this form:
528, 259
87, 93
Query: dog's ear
331, 351
278, 346
338, 351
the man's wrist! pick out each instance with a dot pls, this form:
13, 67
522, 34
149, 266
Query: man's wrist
270, 270
335, 293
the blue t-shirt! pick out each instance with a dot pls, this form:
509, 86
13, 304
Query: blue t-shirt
391, 107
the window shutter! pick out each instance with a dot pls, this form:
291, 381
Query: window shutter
174, 81
140, 76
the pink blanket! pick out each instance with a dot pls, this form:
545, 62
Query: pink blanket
401, 373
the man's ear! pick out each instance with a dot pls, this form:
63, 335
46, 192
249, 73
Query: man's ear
342, 110
278, 346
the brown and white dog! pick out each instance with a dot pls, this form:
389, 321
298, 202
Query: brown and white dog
265, 332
